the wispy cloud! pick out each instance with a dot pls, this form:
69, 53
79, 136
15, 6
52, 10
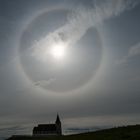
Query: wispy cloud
13, 130
79, 21
133, 51
44, 83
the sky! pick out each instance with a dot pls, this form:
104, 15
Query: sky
78, 58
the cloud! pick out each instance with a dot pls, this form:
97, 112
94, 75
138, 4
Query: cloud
133, 51
79, 21
11, 128
44, 83
7, 131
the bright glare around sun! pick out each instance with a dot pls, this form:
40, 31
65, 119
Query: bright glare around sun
58, 51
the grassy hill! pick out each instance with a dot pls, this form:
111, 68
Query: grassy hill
120, 133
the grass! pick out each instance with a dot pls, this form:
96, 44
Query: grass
120, 133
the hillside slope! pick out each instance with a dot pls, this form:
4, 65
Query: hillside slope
120, 133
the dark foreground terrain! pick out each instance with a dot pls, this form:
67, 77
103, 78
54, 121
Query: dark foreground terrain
120, 133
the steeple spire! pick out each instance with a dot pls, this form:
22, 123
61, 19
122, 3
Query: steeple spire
57, 119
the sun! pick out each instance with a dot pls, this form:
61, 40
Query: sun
58, 51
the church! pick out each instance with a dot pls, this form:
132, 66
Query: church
48, 129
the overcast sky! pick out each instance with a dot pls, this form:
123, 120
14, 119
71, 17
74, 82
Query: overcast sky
95, 83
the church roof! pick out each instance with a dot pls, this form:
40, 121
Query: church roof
45, 127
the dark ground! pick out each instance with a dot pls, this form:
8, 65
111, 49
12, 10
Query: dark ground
119, 133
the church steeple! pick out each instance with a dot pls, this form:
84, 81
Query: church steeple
58, 120
58, 125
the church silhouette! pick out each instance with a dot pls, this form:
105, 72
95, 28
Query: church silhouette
48, 129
